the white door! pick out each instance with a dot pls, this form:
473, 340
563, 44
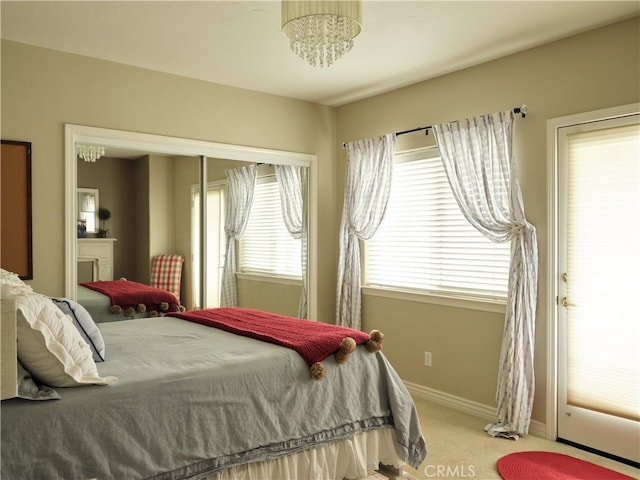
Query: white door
215, 246
599, 285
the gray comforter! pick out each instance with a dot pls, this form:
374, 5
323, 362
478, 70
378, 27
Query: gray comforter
191, 400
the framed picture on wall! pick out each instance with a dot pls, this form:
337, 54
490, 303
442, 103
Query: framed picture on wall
15, 205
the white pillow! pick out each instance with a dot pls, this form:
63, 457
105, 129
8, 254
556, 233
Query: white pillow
11, 284
50, 347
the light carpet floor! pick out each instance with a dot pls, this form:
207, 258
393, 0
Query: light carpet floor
459, 448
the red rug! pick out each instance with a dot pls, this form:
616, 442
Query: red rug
552, 466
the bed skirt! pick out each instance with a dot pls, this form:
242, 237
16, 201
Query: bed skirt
353, 458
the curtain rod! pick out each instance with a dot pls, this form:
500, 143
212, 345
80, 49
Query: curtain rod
522, 110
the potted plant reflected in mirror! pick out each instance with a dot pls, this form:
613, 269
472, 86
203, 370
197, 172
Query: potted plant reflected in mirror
104, 214
82, 229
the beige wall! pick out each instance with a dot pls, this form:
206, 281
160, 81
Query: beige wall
161, 207
185, 174
140, 218
268, 296
119, 182
42, 90
594, 70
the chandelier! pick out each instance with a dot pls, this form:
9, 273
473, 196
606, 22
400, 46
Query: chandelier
89, 153
321, 32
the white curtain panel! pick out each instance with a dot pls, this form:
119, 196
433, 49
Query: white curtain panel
366, 193
478, 159
292, 182
241, 183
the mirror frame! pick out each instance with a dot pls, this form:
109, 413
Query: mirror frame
180, 147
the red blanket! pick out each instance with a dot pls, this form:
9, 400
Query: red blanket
314, 341
125, 293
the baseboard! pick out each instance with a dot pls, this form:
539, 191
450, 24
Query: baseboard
485, 412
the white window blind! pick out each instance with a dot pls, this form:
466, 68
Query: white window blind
603, 270
424, 242
266, 246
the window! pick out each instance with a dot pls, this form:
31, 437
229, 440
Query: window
425, 244
88, 204
267, 247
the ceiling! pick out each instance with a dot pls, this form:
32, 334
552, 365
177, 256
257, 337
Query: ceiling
240, 43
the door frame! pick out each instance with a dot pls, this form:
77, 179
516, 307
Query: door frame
553, 126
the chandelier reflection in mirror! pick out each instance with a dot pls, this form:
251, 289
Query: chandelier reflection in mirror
321, 32
89, 153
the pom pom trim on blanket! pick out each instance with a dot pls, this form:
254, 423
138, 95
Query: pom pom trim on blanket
133, 298
314, 341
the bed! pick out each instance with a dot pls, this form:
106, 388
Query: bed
99, 305
184, 400
115, 300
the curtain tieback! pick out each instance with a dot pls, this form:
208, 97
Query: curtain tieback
516, 229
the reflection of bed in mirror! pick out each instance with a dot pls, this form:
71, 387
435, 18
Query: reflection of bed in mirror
104, 309
99, 306
129, 256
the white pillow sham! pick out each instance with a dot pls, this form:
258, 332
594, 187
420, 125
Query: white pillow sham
50, 347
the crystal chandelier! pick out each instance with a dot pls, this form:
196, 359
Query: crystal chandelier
321, 31
89, 153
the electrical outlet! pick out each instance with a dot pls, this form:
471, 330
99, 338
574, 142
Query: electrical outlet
427, 359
